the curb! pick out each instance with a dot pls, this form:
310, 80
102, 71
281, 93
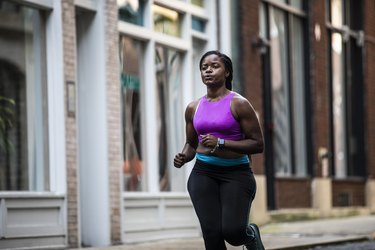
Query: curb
322, 243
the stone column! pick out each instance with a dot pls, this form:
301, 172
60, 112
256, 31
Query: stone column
259, 213
370, 197
322, 195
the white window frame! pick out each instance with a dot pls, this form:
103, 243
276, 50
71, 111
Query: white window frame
55, 90
56, 101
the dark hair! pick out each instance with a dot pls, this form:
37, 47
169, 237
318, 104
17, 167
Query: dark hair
227, 63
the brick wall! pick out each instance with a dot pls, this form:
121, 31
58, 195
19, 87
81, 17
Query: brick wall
293, 193
250, 65
251, 79
369, 68
69, 45
319, 81
348, 193
114, 119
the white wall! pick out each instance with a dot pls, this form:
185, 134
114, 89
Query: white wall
92, 129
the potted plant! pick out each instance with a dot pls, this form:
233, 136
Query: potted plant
6, 121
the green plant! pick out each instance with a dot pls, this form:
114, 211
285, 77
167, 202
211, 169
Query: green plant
6, 121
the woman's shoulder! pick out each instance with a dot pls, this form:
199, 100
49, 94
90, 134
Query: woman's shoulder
241, 105
191, 107
238, 99
193, 104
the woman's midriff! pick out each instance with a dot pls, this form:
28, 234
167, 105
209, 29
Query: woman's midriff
218, 152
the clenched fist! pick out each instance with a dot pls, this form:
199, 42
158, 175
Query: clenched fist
179, 160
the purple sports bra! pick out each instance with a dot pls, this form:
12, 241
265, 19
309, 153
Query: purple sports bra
216, 118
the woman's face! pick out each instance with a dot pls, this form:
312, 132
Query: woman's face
213, 70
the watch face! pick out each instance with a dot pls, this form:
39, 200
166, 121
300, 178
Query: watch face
221, 142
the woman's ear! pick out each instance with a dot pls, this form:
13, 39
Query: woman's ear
226, 74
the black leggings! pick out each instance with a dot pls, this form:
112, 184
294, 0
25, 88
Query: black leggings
222, 198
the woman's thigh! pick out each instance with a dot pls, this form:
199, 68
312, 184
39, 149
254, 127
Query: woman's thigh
205, 195
237, 194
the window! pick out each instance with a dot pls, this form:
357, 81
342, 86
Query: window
199, 49
166, 21
199, 3
282, 30
198, 24
168, 77
131, 11
346, 86
131, 54
23, 121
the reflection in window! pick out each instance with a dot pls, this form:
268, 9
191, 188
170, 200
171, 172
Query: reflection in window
131, 11
281, 1
199, 49
337, 12
130, 54
280, 95
297, 3
198, 2
338, 105
262, 21
198, 24
298, 92
166, 21
169, 107
23, 122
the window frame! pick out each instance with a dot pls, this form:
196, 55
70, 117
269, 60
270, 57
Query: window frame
351, 17
290, 12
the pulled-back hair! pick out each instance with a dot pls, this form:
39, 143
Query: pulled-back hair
227, 63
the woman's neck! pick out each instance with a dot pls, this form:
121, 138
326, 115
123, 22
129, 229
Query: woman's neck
214, 94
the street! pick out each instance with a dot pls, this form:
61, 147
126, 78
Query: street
366, 245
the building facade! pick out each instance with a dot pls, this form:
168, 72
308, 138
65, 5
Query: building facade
93, 94
311, 81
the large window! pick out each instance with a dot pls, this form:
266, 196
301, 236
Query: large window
160, 76
344, 26
23, 121
168, 81
130, 57
282, 26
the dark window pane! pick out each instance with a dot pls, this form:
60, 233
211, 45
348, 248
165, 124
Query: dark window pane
298, 90
198, 24
131, 11
23, 122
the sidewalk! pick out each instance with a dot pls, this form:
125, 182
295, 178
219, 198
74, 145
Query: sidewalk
283, 236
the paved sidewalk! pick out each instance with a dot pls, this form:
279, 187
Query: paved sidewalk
283, 236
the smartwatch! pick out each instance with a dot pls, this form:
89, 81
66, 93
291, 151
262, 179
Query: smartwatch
221, 143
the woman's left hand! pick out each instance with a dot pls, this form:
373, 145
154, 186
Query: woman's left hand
209, 141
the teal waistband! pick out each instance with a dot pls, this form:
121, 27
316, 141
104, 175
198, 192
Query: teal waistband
222, 161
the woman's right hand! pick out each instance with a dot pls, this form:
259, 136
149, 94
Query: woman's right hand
179, 160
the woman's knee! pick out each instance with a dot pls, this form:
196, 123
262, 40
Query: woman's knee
234, 236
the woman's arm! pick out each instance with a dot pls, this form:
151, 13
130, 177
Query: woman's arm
245, 114
188, 151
